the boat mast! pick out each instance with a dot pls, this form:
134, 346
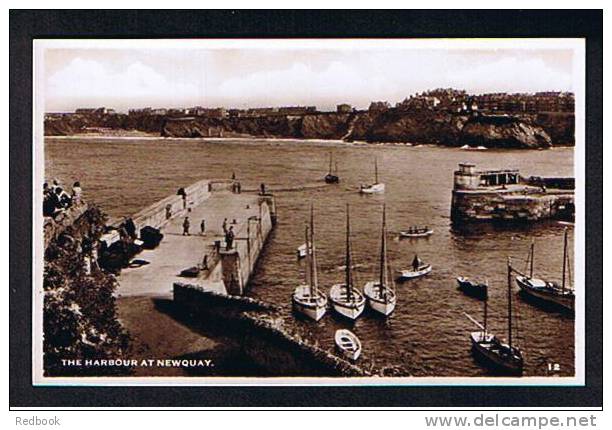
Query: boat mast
308, 259
314, 282
330, 163
509, 304
375, 171
383, 256
348, 281
486, 304
564, 260
531, 254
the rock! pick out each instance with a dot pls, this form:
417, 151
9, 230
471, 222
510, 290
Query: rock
503, 132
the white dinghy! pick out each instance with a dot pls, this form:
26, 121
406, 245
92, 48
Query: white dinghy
348, 343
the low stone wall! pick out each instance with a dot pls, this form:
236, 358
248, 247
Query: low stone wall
53, 227
263, 336
511, 206
159, 213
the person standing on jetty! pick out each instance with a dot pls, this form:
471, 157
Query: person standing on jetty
203, 227
224, 226
229, 238
186, 226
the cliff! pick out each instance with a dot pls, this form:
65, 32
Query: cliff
391, 125
503, 132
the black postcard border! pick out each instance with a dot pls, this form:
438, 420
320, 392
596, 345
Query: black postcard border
27, 25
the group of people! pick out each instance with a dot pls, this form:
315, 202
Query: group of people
56, 199
228, 232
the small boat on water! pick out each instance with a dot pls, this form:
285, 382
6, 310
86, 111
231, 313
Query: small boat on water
345, 299
416, 231
348, 343
561, 296
302, 251
474, 148
380, 295
492, 351
374, 188
419, 268
474, 289
332, 176
307, 299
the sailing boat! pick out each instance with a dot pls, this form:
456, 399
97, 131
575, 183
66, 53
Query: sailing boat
376, 187
307, 299
380, 295
345, 298
332, 176
495, 354
545, 291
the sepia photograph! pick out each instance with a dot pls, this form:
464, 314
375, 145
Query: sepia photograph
309, 211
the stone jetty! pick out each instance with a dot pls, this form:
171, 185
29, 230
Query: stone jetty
505, 195
201, 257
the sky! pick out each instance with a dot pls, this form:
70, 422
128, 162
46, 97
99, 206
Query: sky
241, 77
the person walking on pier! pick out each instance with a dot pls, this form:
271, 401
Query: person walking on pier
203, 227
186, 226
229, 238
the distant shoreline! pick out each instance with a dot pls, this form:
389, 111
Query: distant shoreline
149, 136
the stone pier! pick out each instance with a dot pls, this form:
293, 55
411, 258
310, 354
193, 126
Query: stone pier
504, 195
215, 267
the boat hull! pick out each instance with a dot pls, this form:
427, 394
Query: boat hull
416, 235
312, 307
495, 355
348, 344
341, 304
543, 292
378, 303
472, 289
372, 189
411, 274
332, 179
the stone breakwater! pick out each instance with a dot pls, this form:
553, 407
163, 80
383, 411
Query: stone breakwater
264, 338
392, 125
503, 195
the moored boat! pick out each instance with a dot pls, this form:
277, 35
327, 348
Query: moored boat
560, 296
416, 231
492, 351
345, 299
418, 269
374, 188
302, 251
472, 288
332, 176
307, 299
348, 344
380, 295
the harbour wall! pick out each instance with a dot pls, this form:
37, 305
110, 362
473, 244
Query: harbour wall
262, 334
507, 205
161, 212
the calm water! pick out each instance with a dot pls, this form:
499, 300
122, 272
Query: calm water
428, 334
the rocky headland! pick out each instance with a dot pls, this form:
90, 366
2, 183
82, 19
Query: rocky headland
392, 125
